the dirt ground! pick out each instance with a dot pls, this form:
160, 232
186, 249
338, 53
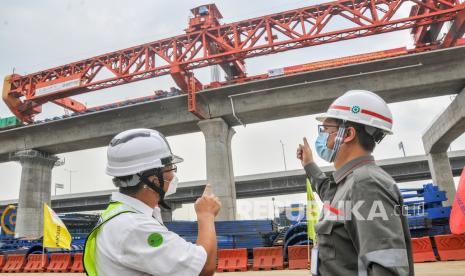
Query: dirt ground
440, 268
452, 268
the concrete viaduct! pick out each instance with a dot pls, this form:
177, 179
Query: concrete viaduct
409, 77
403, 169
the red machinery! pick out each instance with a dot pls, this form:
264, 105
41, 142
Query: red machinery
289, 70
207, 42
337, 62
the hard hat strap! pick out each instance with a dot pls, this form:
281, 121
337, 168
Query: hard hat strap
338, 141
159, 190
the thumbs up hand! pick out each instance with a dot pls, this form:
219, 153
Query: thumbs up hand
304, 153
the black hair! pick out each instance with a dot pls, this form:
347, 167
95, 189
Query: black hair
130, 190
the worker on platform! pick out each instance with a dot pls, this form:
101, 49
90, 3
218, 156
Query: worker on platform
362, 229
130, 237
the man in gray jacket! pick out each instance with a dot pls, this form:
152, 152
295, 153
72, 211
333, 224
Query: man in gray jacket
362, 229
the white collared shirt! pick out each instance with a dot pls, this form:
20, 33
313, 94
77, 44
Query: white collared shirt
139, 244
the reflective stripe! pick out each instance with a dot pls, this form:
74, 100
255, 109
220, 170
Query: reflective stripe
377, 115
362, 269
340, 107
384, 257
114, 209
388, 257
363, 111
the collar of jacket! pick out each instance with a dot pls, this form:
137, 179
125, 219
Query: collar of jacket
132, 202
350, 166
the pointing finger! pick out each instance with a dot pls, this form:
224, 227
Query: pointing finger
208, 190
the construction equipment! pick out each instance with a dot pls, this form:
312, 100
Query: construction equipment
207, 42
9, 122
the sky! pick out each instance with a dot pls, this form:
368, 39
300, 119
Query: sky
36, 35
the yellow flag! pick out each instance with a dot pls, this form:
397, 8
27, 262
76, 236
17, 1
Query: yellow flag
55, 233
312, 212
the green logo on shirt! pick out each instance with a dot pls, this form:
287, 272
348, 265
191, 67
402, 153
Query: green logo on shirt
155, 239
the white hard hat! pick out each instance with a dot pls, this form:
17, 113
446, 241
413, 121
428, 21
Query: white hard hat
137, 150
363, 107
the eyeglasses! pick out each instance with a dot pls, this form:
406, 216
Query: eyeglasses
171, 167
324, 128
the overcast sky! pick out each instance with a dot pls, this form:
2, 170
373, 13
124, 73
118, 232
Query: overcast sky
37, 35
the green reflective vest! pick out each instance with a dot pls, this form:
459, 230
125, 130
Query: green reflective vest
114, 209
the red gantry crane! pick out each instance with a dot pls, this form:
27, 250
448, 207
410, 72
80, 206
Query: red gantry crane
207, 42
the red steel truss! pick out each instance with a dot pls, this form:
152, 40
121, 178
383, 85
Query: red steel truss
207, 42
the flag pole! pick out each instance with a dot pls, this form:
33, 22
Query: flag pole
43, 236
308, 238
309, 262
43, 253
311, 217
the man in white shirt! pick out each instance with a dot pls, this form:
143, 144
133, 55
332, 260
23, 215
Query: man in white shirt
130, 238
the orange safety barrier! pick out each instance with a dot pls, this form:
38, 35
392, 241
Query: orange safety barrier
298, 256
232, 260
14, 263
422, 250
267, 258
450, 247
2, 261
78, 265
59, 262
36, 263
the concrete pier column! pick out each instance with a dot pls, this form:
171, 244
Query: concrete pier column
437, 139
36, 177
220, 173
441, 173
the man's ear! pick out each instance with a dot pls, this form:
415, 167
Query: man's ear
350, 135
154, 179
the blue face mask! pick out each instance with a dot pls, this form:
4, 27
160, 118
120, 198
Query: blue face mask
321, 148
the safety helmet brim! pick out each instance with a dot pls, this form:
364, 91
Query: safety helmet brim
138, 168
177, 159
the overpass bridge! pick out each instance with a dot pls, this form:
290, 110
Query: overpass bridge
402, 169
414, 76
409, 77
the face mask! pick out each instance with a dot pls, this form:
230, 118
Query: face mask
321, 148
172, 186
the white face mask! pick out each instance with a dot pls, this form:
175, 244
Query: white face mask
172, 186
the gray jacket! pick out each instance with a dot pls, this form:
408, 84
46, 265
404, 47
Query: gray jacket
361, 230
